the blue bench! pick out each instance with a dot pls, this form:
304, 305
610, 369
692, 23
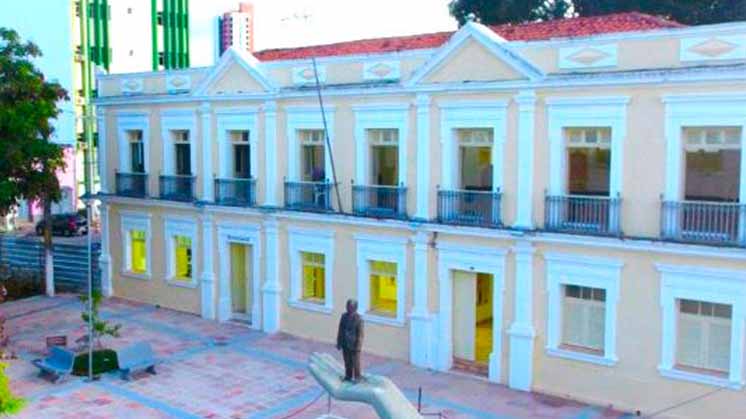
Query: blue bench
58, 364
136, 358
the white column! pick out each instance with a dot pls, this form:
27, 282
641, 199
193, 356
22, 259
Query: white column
104, 260
423, 157
526, 101
208, 181
421, 350
271, 291
207, 278
270, 153
521, 332
103, 174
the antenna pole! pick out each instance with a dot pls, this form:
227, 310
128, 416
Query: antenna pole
326, 134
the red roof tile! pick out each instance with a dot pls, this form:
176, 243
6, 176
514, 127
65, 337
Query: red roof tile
564, 28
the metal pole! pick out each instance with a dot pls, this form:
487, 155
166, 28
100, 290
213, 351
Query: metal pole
326, 134
87, 118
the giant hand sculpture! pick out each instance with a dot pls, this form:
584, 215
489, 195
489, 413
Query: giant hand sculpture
378, 391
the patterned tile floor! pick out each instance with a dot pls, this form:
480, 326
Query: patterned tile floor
212, 370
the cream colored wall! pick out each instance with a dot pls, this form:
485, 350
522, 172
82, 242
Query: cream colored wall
235, 80
473, 62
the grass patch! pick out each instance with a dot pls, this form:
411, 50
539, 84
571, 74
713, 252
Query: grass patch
104, 360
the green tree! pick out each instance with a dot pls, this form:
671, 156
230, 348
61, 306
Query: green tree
9, 404
690, 12
493, 12
101, 328
28, 106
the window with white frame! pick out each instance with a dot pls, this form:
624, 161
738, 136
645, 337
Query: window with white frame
381, 278
312, 159
583, 318
384, 155
475, 158
136, 256
311, 269
712, 163
582, 307
588, 160
241, 148
703, 324
703, 338
136, 150
181, 238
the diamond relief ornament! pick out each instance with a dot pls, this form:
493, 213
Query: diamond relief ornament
713, 47
306, 73
380, 70
588, 56
178, 81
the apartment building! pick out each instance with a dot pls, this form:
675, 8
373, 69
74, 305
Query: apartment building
556, 206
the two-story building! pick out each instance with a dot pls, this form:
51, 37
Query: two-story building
557, 206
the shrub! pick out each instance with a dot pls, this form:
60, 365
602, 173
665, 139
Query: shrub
9, 404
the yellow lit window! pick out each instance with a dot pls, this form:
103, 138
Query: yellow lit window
183, 257
383, 288
313, 276
139, 256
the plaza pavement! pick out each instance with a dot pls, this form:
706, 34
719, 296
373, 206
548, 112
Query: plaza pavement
212, 370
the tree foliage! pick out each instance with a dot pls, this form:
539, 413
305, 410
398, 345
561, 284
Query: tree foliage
101, 328
690, 12
9, 404
28, 105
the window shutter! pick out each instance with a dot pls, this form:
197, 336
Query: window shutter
572, 322
690, 341
596, 323
718, 345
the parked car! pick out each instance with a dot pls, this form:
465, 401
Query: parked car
66, 224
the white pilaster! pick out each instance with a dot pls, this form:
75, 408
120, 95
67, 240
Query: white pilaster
103, 174
421, 351
207, 278
271, 291
104, 260
526, 101
522, 332
423, 157
270, 153
208, 193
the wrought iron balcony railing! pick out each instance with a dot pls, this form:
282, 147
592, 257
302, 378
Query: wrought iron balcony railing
308, 196
472, 208
721, 223
133, 185
177, 188
581, 214
235, 192
379, 201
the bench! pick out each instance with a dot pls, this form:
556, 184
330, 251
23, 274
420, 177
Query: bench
58, 364
136, 357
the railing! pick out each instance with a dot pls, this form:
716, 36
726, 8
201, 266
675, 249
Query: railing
473, 208
235, 192
704, 222
177, 188
308, 196
134, 185
379, 201
580, 214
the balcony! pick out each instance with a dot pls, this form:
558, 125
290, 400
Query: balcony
379, 201
235, 192
308, 196
470, 208
582, 214
177, 188
720, 223
133, 185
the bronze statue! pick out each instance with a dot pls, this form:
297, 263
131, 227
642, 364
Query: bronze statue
350, 340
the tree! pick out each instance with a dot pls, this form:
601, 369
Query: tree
493, 12
101, 328
28, 105
690, 12
9, 404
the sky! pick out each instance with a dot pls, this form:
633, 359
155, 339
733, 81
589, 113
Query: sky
289, 23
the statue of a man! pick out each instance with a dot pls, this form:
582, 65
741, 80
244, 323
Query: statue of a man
350, 340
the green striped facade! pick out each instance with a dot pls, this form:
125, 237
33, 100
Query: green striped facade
174, 21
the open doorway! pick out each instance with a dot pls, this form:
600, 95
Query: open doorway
241, 284
472, 321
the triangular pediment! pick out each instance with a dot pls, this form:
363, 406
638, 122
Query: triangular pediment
475, 53
236, 73
472, 61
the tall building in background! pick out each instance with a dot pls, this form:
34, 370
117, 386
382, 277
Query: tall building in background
236, 28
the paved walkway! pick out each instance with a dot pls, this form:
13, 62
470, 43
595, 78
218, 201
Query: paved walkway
213, 370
